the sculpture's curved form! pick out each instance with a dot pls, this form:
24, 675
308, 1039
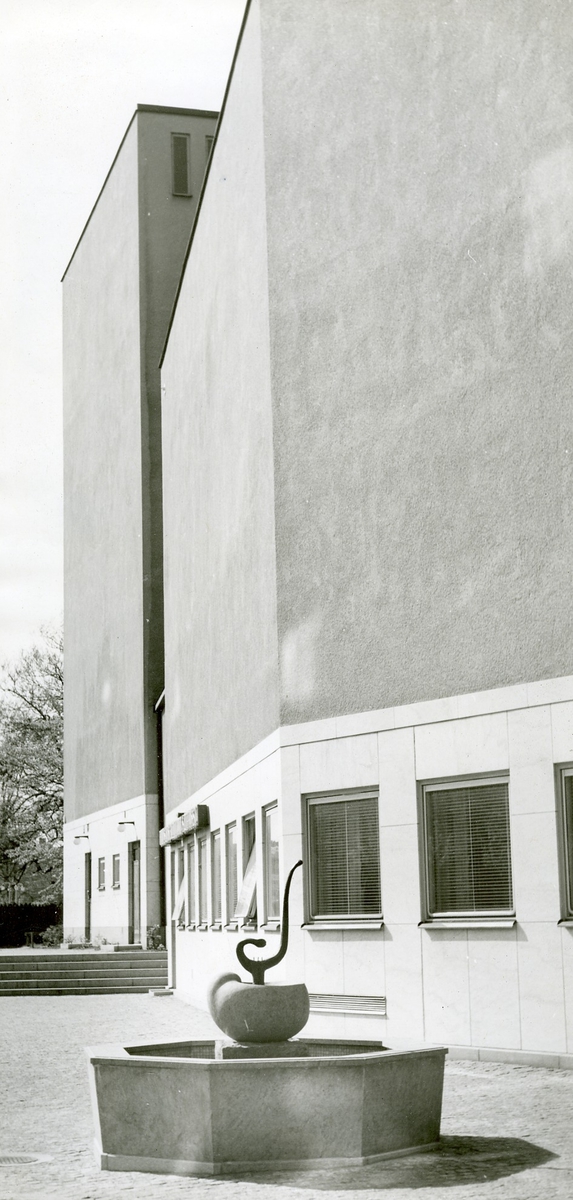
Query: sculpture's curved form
258, 967
274, 1013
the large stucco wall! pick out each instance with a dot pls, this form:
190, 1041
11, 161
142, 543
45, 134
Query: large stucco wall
165, 225
103, 556
419, 176
220, 606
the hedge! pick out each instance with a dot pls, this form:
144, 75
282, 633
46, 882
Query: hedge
16, 920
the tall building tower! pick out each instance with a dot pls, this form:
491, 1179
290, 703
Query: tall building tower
119, 289
368, 529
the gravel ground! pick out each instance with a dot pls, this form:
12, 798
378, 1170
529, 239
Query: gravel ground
506, 1131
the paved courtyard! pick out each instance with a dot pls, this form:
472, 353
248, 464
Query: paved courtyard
506, 1130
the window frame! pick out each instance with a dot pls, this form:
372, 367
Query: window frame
216, 879
101, 874
191, 868
230, 907
203, 881
270, 919
565, 845
248, 823
337, 921
115, 875
187, 138
459, 917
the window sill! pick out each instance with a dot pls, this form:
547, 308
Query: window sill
216, 927
100, 888
202, 927
469, 923
272, 927
115, 887
567, 922
191, 927
250, 928
232, 926
334, 925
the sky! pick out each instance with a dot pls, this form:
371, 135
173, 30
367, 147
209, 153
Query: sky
71, 75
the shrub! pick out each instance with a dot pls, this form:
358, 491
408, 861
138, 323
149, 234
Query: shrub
53, 935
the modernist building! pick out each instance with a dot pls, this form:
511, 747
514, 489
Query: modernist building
118, 293
367, 525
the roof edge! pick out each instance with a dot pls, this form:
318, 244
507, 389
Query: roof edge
185, 112
205, 180
158, 108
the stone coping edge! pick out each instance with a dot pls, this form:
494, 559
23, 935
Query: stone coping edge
173, 1166
107, 1055
519, 1058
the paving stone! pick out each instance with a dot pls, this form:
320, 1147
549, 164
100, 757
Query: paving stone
505, 1132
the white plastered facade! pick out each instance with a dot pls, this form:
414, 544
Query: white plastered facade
486, 992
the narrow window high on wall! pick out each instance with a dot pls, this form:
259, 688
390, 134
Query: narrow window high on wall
467, 853
566, 842
231, 871
191, 885
203, 880
216, 880
209, 139
271, 864
115, 871
101, 874
180, 164
343, 861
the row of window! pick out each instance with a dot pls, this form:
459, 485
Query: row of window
114, 872
465, 856
181, 161
197, 869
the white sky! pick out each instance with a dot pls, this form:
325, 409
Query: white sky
71, 74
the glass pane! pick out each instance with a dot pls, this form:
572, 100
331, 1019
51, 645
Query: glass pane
569, 840
180, 151
216, 877
232, 880
249, 860
345, 861
203, 880
469, 865
272, 886
191, 901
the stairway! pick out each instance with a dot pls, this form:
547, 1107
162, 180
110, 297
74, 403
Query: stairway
74, 973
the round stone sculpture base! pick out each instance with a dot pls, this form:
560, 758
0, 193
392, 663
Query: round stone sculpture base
251, 1012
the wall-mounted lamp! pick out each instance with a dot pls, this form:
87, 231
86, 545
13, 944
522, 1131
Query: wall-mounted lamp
122, 824
80, 837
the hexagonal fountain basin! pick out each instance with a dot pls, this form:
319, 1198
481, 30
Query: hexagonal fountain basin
216, 1107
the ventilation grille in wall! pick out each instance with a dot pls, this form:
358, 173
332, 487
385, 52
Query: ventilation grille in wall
374, 1006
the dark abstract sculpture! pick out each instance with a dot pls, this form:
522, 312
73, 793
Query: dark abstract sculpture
257, 967
250, 1014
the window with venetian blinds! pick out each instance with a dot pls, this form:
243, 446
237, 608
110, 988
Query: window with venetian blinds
467, 845
567, 831
344, 855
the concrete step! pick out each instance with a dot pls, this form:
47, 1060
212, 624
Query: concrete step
32, 985
77, 957
76, 991
80, 969
82, 974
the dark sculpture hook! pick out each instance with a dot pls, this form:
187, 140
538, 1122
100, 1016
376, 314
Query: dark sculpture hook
257, 968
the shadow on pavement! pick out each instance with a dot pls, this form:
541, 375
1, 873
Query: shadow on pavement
457, 1160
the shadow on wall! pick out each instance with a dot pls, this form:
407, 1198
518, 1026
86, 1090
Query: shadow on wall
458, 1161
